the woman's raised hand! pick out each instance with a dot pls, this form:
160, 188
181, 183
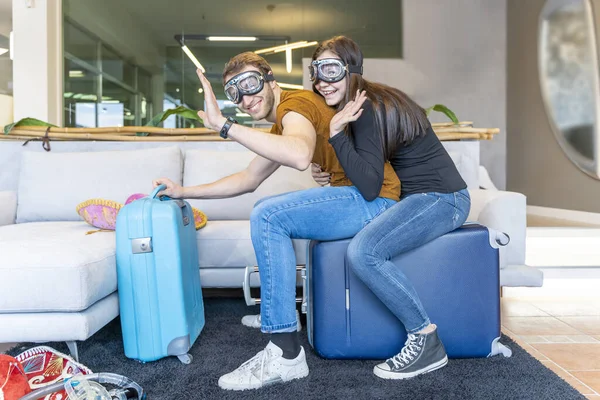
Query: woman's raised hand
351, 112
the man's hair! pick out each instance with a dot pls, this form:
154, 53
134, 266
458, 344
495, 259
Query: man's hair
239, 62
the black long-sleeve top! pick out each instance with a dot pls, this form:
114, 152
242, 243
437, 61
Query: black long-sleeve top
422, 166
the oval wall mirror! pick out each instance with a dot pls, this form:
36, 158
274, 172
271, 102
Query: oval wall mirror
568, 70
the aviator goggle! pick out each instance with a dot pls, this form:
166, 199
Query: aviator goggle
246, 83
331, 70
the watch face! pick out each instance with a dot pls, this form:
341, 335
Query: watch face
225, 128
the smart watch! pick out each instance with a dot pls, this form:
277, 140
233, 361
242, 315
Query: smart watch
230, 121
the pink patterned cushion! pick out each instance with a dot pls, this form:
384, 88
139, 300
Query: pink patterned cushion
200, 218
99, 213
134, 197
102, 214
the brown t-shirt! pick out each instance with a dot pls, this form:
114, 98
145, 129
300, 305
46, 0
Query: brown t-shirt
313, 107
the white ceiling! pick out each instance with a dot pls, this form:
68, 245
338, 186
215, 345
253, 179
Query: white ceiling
369, 21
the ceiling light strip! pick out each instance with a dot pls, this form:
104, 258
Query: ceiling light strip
192, 57
290, 86
290, 46
232, 38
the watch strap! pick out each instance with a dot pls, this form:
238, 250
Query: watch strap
225, 129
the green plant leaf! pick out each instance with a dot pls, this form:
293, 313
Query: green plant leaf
443, 109
26, 122
181, 111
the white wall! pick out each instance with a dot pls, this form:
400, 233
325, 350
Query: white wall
37, 60
5, 17
460, 47
537, 166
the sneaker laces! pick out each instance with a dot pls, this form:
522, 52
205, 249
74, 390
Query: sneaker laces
252, 364
408, 353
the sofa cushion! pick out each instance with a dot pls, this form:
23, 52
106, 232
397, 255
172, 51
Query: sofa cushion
52, 184
228, 244
59, 326
521, 275
55, 266
203, 166
8, 207
467, 168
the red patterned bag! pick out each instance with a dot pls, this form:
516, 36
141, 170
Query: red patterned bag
43, 366
13, 381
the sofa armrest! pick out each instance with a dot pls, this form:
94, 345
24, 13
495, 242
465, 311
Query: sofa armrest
8, 207
505, 212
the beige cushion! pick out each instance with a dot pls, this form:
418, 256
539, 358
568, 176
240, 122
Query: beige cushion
52, 184
204, 166
55, 266
59, 326
228, 244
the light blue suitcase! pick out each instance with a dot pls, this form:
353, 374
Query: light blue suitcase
160, 297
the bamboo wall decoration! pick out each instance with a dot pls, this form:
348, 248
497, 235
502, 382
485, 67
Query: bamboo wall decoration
447, 131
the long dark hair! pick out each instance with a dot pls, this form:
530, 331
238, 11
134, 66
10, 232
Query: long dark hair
398, 118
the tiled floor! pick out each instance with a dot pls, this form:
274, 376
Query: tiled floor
563, 333
5, 346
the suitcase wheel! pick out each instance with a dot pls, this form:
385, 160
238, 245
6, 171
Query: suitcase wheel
185, 358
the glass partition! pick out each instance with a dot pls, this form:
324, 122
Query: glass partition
80, 95
6, 64
101, 86
139, 44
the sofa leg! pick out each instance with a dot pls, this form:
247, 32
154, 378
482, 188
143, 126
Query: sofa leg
73, 349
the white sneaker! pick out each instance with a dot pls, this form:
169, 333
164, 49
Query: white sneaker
267, 367
253, 321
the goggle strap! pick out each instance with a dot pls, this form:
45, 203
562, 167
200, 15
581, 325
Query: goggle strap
355, 69
269, 77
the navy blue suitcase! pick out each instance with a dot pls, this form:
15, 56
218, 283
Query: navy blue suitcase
456, 277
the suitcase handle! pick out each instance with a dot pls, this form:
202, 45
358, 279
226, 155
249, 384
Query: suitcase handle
179, 202
158, 189
502, 238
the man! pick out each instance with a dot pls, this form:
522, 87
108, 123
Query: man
299, 136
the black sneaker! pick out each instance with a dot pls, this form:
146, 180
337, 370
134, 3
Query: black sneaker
421, 353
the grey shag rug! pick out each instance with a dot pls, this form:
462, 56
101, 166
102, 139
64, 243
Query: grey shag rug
225, 343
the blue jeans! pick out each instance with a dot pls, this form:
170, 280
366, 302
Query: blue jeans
324, 213
412, 222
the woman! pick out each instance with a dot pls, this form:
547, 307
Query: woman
434, 199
